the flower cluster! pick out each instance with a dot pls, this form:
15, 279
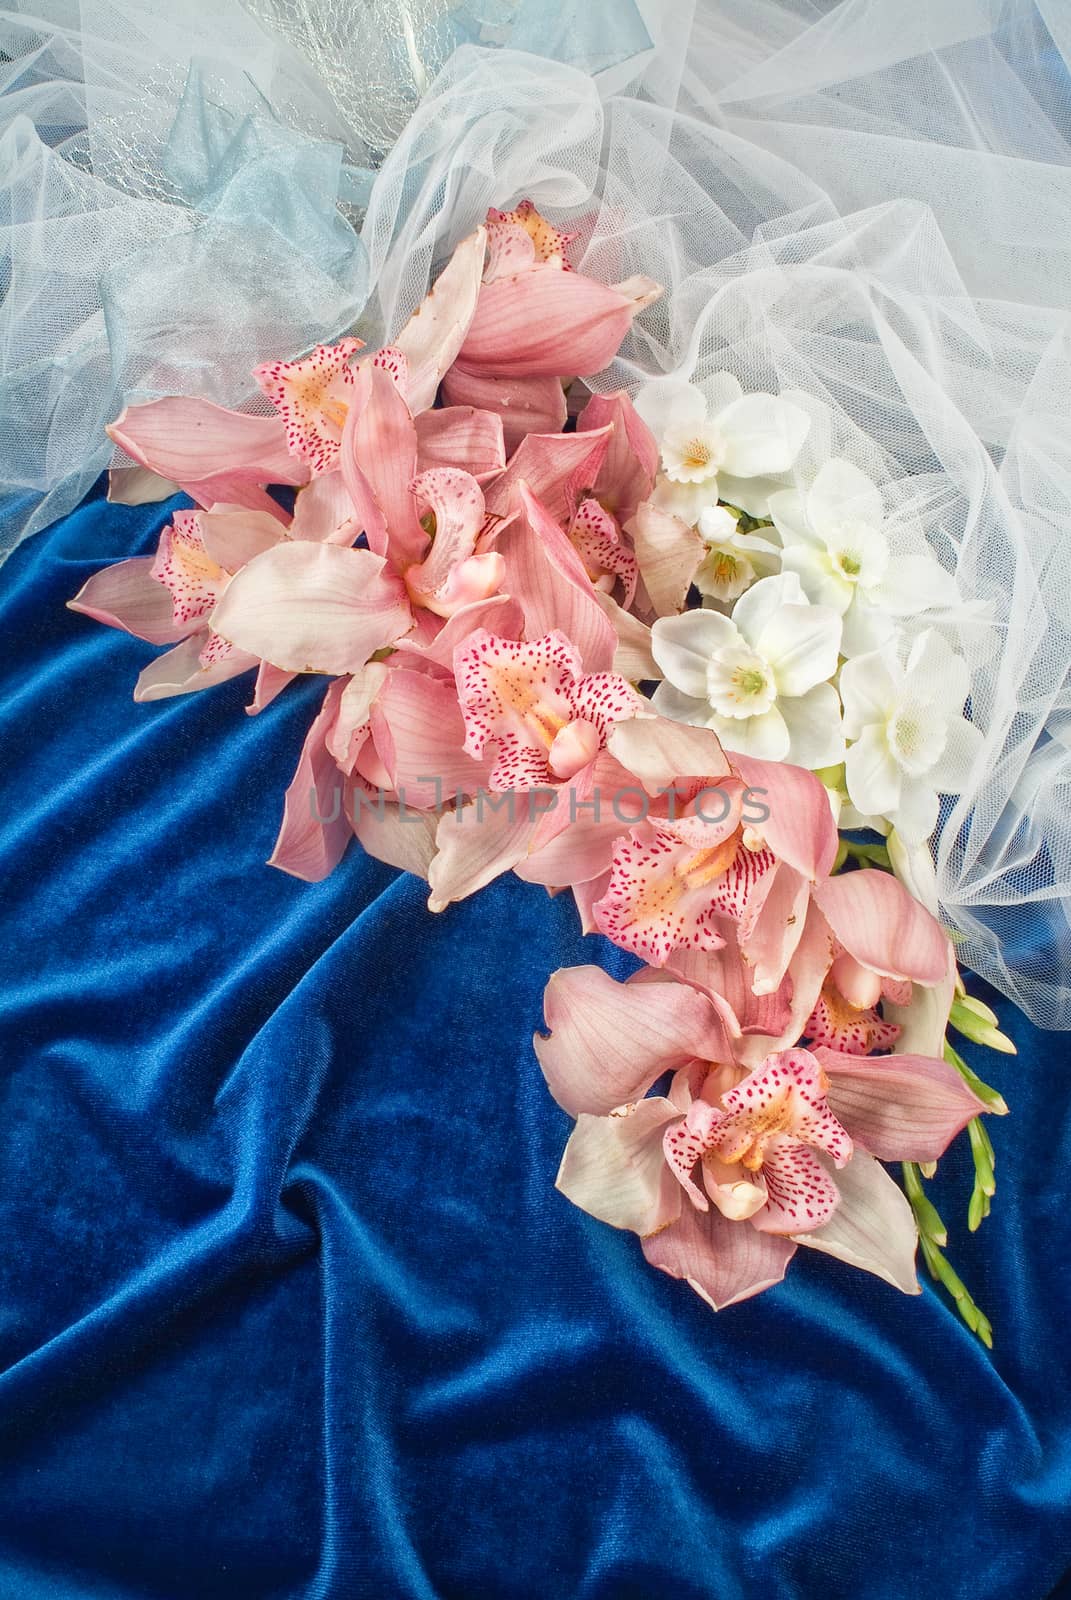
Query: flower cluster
492, 592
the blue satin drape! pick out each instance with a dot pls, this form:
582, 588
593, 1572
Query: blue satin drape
290, 1306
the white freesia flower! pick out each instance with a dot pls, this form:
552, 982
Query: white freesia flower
834, 537
742, 435
759, 678
911, 742
733, 560
685, 500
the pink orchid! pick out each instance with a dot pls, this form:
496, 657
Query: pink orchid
884, 945
535, 322
729, 1172
547, 719
311, 395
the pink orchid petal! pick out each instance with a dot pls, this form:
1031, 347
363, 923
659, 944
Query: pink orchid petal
181, 670
346, 735
315, 829
585, 895
462, 435
769, 1017
873, 1227
419, 733
311, 396
396, 835
788, 1092
771, 924
628, 473
456, 502
545, 576
545, 242
723, 1261
520, 405
883, 927
610, 1041
518, 696
476, 844
799, 828
137, 486
551, 323
923, 1021
186, 570
435, 332
510, 248
378, 460
899, 1107
574, 747
658, 751
668, 554
313, 608
127, 596
596, 538
271, 681
800, 1194
632, 657
323, 512
583, 849
193, 442
557, 468
232, 537
613, 1168
498, 613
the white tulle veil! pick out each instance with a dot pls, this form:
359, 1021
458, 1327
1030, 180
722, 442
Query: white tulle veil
867, 203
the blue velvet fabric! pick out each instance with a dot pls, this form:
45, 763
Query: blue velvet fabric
290, 1306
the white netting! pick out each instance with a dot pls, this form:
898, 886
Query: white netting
868, 202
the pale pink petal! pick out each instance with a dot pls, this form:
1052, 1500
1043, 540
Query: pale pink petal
456, 502
498, 613
434, 333
610, 1041
519, 696
613, 1168
232, 537
463, 436
550, 322
181, 670
127, 596
585, 895
271, 681
521, 405
632, 657
315, 828
723, 1261
557, 468
313, 608
311, 396
873, 1227
194, 443
799, 826
899, 1107
476, 843
323, 512
923, 1021
393, 833
628, 473
346, 736
137, 486
378, 460
658, 751
883, 927
419, 734
772, 917
668, 554
544, 574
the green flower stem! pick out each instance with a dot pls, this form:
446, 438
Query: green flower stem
992, 1101
932, 1235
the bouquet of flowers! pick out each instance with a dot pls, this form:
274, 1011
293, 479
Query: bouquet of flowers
622, 646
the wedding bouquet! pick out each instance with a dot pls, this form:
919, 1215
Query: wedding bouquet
660, 649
